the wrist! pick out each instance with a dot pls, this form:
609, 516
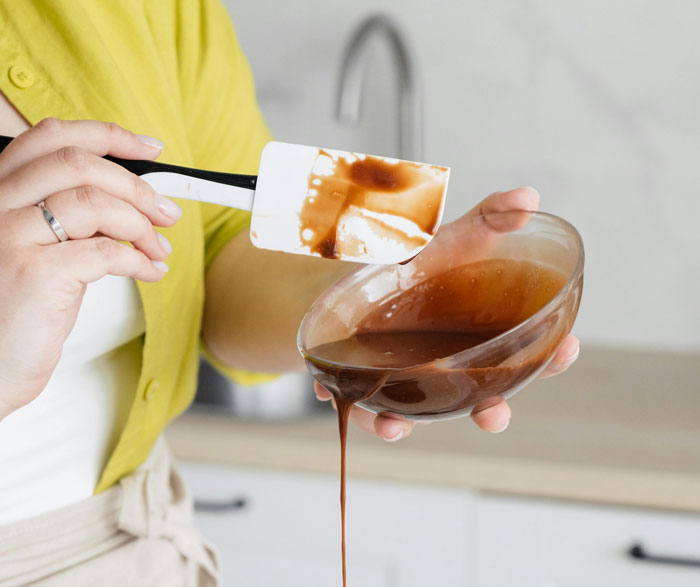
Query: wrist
5, 410
13, 396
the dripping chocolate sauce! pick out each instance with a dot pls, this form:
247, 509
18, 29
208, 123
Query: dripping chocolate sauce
437, 318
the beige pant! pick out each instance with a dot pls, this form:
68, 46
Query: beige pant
136, 533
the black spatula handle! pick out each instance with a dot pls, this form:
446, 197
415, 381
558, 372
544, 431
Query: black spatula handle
141, 167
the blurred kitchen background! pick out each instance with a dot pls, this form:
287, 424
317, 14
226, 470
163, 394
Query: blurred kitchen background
597, 481
593, 103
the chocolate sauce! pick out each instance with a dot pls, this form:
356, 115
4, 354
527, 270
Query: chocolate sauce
405, 189
343, 406
344, 403
389, 362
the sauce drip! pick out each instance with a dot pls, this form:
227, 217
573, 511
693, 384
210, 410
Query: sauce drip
362, 189
343, 404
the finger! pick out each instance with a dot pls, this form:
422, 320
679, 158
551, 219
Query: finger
322, 394
565, 356
86, 211
502, 211
392, 428
362, 419
492, 415
100, 138
524, 198
72, 167
88, 260
384, 426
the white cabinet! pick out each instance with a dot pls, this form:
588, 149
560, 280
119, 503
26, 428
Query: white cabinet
288, 532
549, 544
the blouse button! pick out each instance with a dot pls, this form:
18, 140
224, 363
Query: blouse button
151, 389
21, 76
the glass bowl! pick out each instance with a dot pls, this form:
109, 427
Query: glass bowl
501, 264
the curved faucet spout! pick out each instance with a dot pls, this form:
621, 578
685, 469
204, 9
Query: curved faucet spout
352, 79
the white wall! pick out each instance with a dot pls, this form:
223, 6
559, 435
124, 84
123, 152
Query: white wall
593, 103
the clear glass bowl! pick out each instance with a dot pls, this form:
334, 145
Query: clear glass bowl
452, 386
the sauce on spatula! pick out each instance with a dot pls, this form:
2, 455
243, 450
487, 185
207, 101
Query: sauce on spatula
359, 205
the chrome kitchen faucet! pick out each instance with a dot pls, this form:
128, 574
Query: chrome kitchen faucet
352, 78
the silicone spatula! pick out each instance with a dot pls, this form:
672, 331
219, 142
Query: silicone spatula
321, 202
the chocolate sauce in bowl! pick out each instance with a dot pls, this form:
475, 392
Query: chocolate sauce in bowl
388, 363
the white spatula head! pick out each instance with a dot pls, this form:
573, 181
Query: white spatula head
343, 205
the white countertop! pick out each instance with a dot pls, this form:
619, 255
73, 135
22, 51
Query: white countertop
621, 427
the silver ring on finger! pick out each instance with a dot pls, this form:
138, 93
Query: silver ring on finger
53, 222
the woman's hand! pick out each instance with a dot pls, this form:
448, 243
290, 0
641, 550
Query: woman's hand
99, 204
493, 415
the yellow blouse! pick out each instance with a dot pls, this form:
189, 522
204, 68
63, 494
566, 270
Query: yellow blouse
171, 69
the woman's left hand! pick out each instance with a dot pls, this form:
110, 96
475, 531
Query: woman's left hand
495, 415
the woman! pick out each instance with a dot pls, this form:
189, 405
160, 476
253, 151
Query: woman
87, 491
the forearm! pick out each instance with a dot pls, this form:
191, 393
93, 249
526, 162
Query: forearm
255, 300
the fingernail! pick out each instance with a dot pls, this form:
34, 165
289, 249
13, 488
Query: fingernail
165, 243
160, 266
168, 207
501, 430
150, 141
323, 399
398, 436
571, 358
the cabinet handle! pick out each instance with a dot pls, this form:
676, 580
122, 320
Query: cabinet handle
637, 551
234, 504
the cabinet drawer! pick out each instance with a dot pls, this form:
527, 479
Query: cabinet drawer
545, 544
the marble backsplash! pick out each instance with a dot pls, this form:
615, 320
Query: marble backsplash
593, 103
